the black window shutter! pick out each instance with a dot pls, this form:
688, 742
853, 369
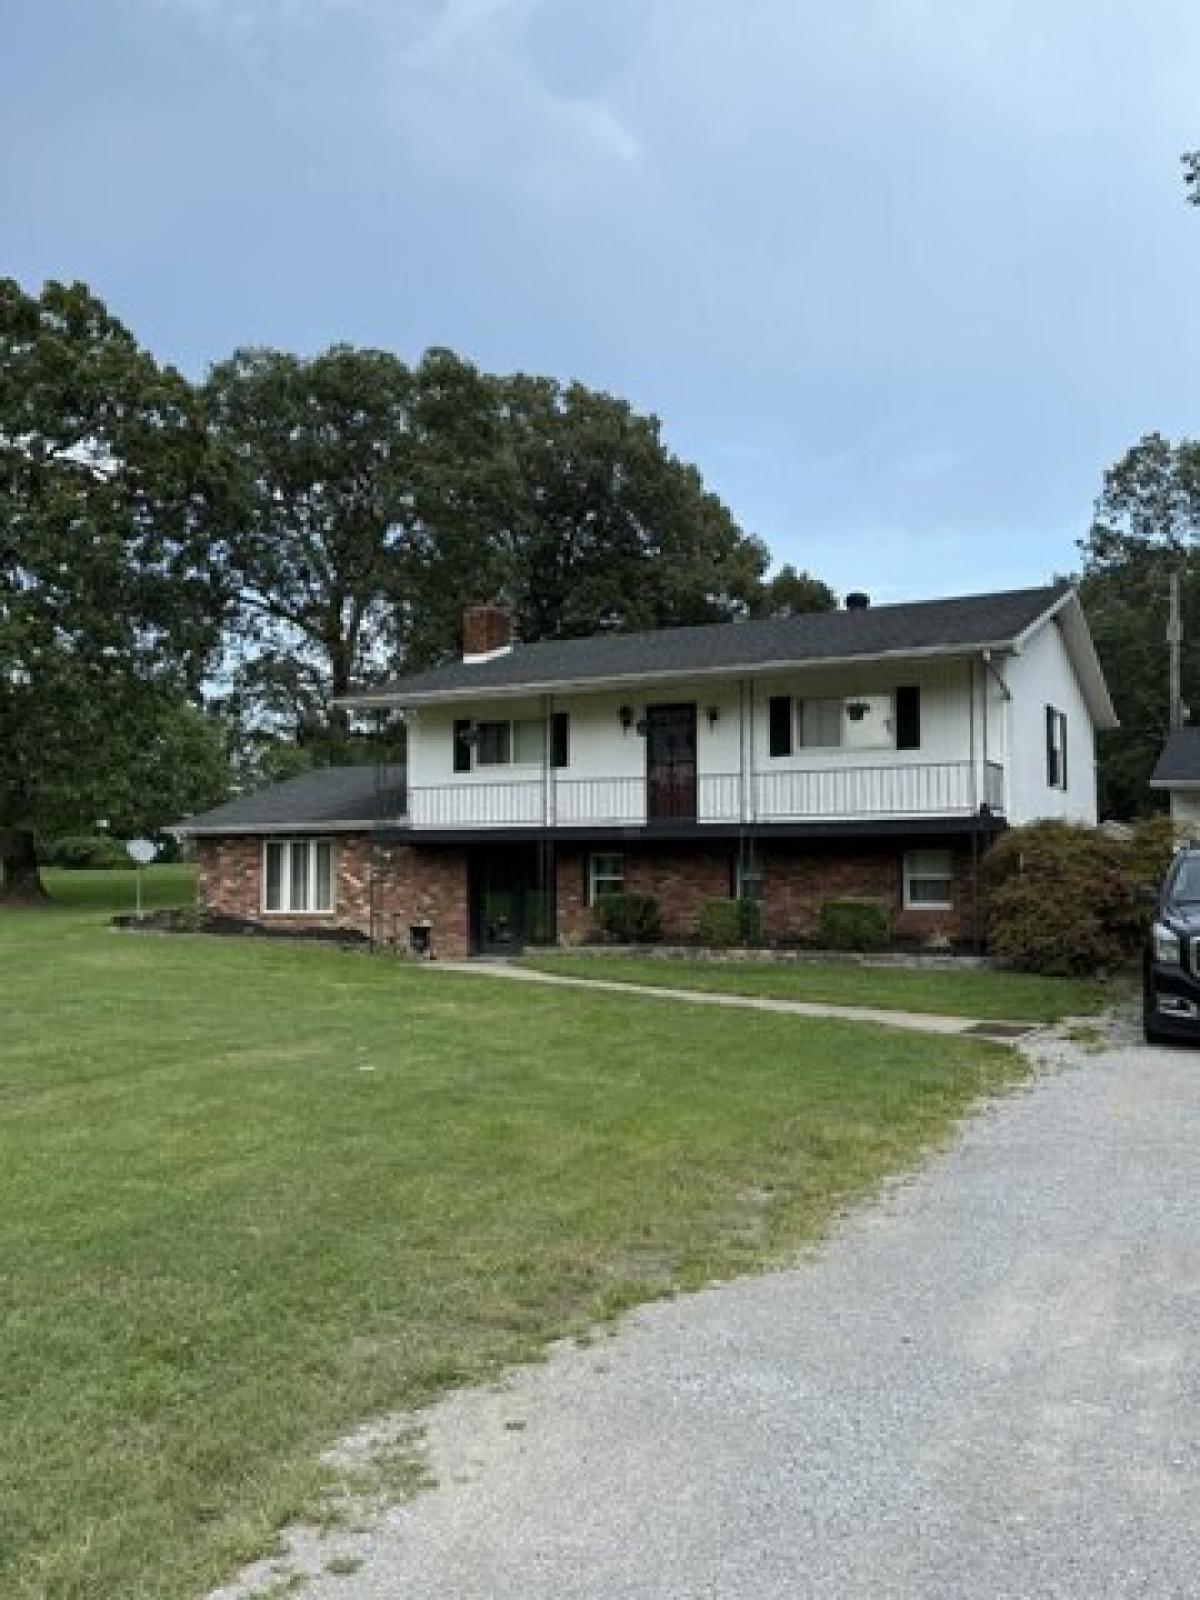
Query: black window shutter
560, 739
1062, 749
1051, 774
908, 717
462, 749
781, 725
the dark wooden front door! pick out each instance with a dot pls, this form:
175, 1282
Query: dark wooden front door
671, 763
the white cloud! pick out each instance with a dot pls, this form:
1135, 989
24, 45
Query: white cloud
469, 94
455, 79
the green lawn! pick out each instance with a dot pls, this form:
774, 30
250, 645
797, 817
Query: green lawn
117, 891
251, 1194
972, 992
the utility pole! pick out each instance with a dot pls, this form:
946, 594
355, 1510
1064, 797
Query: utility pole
1174, 639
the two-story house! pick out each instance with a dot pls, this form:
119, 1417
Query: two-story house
874, 751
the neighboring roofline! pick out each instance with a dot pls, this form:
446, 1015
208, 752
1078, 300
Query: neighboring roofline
228, 829
760, 669
1173, 783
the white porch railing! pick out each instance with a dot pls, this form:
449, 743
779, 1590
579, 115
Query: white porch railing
584, 801
933, 788
911, 789
477, 805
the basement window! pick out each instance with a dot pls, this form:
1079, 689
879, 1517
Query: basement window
298, 876
929, 880
605, 876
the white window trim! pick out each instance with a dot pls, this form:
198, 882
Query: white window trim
285, 878
604, 877
926, 905
1059, 781
799, 748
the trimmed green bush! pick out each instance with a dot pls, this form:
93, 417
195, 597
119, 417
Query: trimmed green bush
750, 922
1061, 898
718, 925
83, 851
724, 924
628, 918
854, 925
1154, 842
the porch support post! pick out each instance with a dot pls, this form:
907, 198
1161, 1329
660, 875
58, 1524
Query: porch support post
548, 794
976, 784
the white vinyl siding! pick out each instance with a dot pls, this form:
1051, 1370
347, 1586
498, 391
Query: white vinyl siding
298, 876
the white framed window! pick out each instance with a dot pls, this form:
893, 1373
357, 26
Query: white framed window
1056, 748
517, 743
819, 724
845, 722
605, 875
868, 722
493, 744
297, 876
929, 880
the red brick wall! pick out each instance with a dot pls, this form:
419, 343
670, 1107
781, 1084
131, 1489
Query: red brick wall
411, 885
424, 885
428, 883
795, 883
679, 878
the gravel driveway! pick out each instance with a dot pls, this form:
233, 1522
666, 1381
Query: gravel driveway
985, 1385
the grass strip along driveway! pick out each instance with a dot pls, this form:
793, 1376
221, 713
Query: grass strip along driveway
251, 1194
954, 992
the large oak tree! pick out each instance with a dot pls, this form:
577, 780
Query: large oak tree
111, 591
377, 501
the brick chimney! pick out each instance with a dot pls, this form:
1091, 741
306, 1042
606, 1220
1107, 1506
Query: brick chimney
486, 631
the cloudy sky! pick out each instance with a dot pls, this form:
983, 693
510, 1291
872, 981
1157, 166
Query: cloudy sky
901, 276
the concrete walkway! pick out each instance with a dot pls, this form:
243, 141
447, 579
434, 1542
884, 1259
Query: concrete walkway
987, 1384
914, 1021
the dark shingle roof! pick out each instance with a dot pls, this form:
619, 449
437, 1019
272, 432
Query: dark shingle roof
313, 800
968, 621
1180, 759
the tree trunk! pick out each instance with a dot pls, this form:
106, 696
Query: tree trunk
20, 880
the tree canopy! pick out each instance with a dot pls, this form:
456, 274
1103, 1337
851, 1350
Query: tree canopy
1147, 522
111, 593
190, 572
375, 501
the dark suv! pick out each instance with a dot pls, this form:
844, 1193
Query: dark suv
1171, 992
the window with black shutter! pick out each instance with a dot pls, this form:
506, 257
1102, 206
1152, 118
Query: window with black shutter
462, 746
908, 717
1056, 748
560, 739
780, 712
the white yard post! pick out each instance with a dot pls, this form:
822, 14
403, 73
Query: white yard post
141, 852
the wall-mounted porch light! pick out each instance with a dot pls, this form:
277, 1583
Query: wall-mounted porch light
714, 716
626, 716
